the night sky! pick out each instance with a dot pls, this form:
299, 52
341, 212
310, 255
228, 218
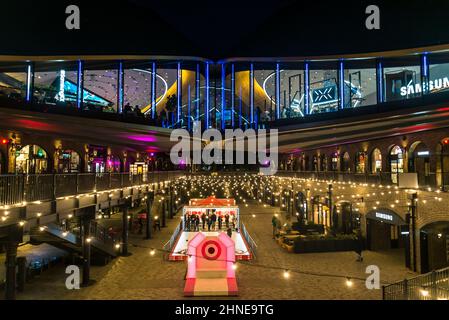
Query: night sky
220, 29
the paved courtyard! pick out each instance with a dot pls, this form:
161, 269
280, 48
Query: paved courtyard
142, 276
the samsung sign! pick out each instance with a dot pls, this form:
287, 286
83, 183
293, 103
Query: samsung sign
384, 216
436, 84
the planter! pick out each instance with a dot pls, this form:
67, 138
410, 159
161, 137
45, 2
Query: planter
324, 245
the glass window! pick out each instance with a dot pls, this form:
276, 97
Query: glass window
100, 87
323, 90
242, 94
265, 92
188, 78
360, 85
137, 88
168, 99
439, 73
402, 79
360, 162
396, 163
292, 93
376, 161
335, 162
13, 81
56, 83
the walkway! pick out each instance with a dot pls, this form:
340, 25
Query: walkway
142, 276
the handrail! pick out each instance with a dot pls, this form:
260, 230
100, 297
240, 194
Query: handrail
168, 246
384, 177
20, 188
249, 240
430, 286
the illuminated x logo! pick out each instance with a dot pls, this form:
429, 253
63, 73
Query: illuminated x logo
322, 95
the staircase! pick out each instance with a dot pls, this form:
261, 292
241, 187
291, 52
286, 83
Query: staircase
102, 244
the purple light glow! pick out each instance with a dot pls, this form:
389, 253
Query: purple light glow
143, 138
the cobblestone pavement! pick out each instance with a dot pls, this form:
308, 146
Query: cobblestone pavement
141, 276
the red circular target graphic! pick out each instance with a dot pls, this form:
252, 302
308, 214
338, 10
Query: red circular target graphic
211, 250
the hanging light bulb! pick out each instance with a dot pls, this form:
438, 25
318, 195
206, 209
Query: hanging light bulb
349, 282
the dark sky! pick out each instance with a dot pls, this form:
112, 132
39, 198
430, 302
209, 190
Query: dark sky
219, 29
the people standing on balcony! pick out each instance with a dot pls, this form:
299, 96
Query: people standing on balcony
127, 109
138, 111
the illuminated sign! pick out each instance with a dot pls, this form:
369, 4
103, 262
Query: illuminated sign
324, 95
61, 86
384, 216
423, 153
436, 84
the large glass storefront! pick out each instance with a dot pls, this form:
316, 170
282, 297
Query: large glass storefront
225, 94
31, 159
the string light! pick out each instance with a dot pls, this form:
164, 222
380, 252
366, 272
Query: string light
349, 282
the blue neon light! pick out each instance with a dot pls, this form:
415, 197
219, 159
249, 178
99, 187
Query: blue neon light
251, 92
425, 65
28, 92
178, 89
380, 81
278, 91
306, 89
232, 94
197, 92
223, 94
79, 92
207, 95
153, 90
342, 85
120, 87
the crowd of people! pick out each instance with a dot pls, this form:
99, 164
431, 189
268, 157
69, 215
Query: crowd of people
210, 222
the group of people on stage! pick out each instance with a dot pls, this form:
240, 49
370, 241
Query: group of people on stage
210, 221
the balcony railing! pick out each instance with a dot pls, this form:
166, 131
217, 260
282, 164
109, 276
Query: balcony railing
20, 188
430, 286
384, 178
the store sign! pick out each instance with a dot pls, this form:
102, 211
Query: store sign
436, 84
324, 95
423, 153
384, 216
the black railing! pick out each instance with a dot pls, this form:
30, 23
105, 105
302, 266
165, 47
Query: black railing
100, 233
430, 286
384, 178
20, 188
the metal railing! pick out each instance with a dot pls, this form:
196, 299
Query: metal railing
100, 233
251, 243
168, 246
18, 188
384, 178
430, 286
